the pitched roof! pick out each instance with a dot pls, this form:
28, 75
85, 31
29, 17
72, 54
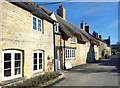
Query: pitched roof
81, 34
67, 27
71, 29
35, 10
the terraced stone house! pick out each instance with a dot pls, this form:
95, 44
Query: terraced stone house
34, 40
26, 41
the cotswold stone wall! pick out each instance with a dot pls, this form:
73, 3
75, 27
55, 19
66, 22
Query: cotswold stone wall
80, 52
104, 48
17, 33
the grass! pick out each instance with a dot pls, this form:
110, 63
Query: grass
102, 58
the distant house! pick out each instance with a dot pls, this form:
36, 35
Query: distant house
105, 46
115, 48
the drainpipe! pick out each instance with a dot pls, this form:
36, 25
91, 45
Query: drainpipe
64, 54
54, 45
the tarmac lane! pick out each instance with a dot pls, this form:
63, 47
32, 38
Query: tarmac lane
101, 73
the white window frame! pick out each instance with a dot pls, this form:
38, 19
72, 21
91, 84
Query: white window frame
88, 44
56, 29
95, 46
73, 40
71, 54
12, 64
37, 23
39, 70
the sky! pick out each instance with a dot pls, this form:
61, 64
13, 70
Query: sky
100, 16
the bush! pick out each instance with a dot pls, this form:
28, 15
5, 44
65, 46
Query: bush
35, 81
102, 58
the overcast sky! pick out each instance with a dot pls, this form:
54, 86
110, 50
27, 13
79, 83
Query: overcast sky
100, 16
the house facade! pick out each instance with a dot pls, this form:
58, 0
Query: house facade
26, 42
70, 49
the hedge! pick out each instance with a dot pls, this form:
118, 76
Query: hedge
35, 81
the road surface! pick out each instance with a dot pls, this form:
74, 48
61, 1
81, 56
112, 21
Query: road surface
101, 73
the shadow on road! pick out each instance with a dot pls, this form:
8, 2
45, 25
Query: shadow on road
87, 69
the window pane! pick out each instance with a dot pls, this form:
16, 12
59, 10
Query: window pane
17, 71
17, 63
7, 65
7, 73
35, 55
34, 23
40, 61
34, 27
39, 25
17, 56
74, 53
40, 66
40, 55
35, 67
55, 28
34, 19
70, 53
66, 53
7, 56
35, 61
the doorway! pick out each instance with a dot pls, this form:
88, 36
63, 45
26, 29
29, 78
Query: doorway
57, 60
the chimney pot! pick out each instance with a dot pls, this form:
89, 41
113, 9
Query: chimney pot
100, 36
61, 6
82, 25
87, 29
95, 34
109, 37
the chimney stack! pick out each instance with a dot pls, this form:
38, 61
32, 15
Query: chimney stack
87, 28
109, 40
100, 36
61, 11
82, 25
109, 37
95, 34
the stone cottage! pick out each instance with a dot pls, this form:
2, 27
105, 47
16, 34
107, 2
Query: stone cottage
72, 44
26, 41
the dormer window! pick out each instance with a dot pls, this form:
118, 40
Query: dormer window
73, 40
37, 24
56, 28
